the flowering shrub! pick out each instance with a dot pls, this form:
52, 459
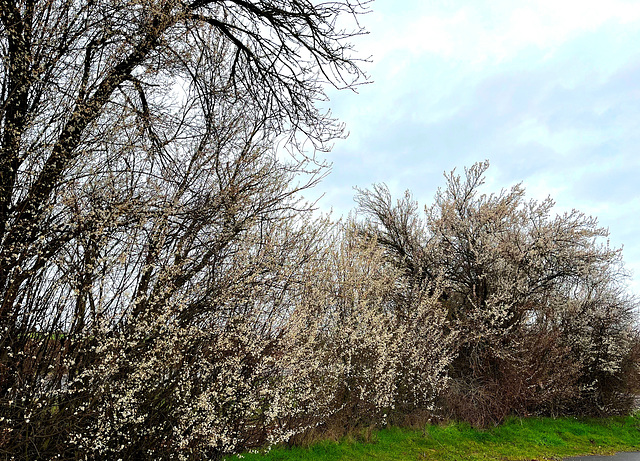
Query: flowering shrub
153, 239
393, 358
537, 302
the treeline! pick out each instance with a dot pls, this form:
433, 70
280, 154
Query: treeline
166, 294
479, 308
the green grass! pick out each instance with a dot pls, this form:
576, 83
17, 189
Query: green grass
517, 439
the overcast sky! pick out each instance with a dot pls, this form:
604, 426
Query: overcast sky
547, 90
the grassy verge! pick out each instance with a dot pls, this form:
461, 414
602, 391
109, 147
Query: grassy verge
517, 439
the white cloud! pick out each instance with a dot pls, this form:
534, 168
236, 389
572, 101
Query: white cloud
566, 142
489, 31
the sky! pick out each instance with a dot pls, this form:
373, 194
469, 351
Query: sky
547, 91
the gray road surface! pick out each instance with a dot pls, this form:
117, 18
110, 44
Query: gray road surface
635, 456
